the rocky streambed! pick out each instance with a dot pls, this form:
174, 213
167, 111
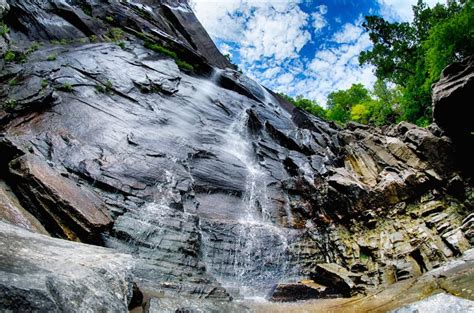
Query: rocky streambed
124, 128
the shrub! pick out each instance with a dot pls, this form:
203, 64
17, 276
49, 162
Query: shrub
52, 57
4, 29
9, 104
10, 56
13, 82
115, 34
184, 65
66, 87
160, 49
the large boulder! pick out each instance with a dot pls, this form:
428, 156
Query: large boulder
42, 274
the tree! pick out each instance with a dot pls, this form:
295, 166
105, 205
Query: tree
340, 103
411, 55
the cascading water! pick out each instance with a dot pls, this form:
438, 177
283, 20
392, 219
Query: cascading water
258, 250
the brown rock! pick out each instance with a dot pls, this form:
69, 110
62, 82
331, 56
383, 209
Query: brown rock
335, 277
304, 290
11, 211
65, 208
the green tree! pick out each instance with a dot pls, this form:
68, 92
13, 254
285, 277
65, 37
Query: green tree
412, 55
340, 103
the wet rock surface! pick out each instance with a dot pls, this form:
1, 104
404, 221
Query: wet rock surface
217, 188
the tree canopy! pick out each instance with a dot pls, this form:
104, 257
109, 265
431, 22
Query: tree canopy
412, 55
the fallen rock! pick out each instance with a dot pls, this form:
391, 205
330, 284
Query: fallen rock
303, 290
43, 274
335, 277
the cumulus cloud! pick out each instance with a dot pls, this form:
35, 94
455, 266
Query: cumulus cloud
338, 67
264, 29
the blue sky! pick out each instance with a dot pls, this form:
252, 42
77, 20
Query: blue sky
300, 47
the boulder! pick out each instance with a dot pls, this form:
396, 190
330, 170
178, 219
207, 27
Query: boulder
43, 274
335, 277
304, 290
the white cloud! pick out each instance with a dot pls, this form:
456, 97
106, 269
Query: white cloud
269, 35
285, 79
401, 9
264, 29
349, 33
338, 68
319, 21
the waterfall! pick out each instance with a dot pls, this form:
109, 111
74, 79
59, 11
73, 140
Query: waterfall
259, 250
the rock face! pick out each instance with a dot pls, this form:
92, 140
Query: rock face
42, 274
218, 188
451, 107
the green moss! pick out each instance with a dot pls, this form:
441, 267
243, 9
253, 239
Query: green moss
184, 65
109, 19
52, 57
121, 44
66, 87
115, 34
93, 38
10, 104
9, 56
44, 83
105, 88
160, 49
4, 29
13, 82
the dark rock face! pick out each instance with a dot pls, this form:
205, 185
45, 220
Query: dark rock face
43, 274
452, 108
217, 187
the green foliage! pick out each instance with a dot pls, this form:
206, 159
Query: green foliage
356, 104
109, 19
93, 38
9, 56
4, 29
115, 34
52, 57
412, 55
107, 87
184, 65
340, 102
121, 44
13, 82
9, 104
160, 49
66, 87
44, 83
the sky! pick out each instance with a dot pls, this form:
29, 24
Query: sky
299, 47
